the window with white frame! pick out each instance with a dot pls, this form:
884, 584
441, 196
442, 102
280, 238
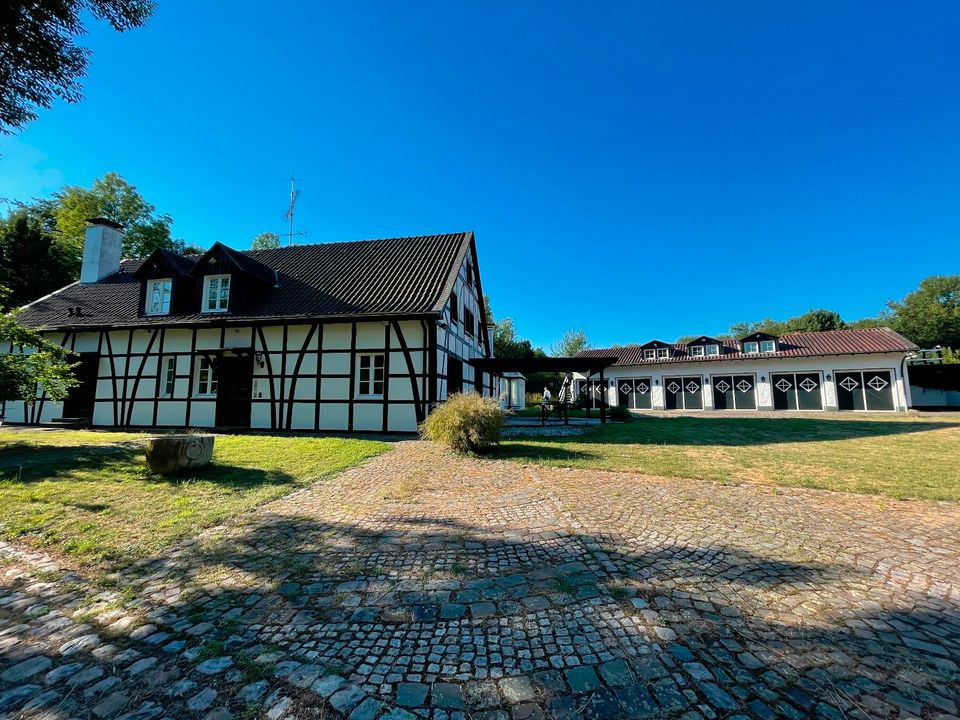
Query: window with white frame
216, 293
750, 348
697, 350
371, 374
649, 354
168, 376
206, 377
768, 346
663, 353
713, 349
158, 296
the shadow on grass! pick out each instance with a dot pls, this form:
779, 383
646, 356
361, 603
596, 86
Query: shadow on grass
727, 431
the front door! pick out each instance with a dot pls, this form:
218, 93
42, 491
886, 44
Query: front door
79, 403
234, 384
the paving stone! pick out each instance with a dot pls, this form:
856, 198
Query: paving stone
637, 702
482, 610
79, 644
412, 694
220, 713
202, 700
304, 676
601, 705
526, 711
517, 689
111, 705
398, 714
15, 697
252, 692
26, 669
328, 685
616, 673
582, 679
369, 709
347, 698
447, 696
215, 666
62, 673
141, 665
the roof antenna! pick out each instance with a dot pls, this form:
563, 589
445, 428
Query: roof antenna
294, 194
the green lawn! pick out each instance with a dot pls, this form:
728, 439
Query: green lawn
891, 455
90, 495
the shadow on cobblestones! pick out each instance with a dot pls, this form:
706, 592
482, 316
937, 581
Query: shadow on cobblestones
404, 590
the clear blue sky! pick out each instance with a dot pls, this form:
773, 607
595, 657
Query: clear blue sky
635, 169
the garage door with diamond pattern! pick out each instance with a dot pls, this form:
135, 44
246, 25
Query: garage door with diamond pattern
734, 392
634, 393
683, 393
864, 390
797, 391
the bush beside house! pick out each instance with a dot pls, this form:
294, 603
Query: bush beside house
466, 422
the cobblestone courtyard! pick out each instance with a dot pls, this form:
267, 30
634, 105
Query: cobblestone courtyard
426, 585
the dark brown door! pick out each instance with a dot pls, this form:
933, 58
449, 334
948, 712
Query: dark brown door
234, 383
79, 403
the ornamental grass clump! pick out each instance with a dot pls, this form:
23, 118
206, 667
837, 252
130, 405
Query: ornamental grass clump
466, 422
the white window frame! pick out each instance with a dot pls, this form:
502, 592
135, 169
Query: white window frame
713, 349
206, 381
747, 348
650, 354
697, 351
663, 353
166, 294
366, 387
208, 280
168, 375
771, 343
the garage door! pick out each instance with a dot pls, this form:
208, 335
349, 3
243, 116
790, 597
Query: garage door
797, 391
734, 392
864, 390
591, 393
634, 393
683, 393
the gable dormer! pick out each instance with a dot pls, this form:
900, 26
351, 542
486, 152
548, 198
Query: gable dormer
656, 350
227, 281
166, 287
704, 346
759, 343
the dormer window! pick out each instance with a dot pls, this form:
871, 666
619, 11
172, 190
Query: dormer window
650, 354
768, 346
751, 348
158, 296
713, 349
216, 293
663, 353
697, 351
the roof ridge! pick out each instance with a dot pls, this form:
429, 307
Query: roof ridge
355, 242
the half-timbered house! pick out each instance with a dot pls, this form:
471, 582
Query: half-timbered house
347, 336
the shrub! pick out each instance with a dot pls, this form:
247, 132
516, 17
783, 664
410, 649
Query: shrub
466, 422
620, 413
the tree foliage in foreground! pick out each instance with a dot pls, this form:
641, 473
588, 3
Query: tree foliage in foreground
265, 241
930, 315
41, 363
39, 59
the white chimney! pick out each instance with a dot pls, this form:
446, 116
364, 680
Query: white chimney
102, 244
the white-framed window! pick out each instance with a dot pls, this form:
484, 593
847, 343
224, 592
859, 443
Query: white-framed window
768, 346
158, 296
697, 351
713, 349
370, 375
168, 376
650, 354
216, 293
750, 348
663, 353
206, 377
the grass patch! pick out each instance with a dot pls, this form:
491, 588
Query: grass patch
90, 494
889, 455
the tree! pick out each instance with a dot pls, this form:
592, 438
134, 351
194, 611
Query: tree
41, 363
32, 262
39, 61
571, 344
816, 321
114, 198
930, 315
265, 241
